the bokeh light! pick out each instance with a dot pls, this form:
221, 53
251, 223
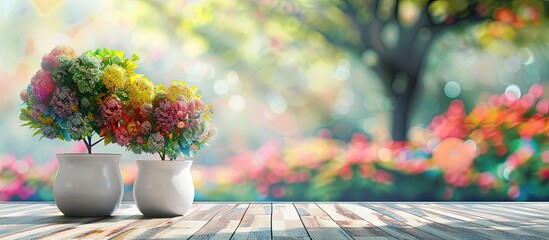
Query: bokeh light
302, 109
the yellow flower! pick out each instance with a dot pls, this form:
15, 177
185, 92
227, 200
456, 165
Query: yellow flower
46, 120
180, 90
114, 77
141, 90
129, 66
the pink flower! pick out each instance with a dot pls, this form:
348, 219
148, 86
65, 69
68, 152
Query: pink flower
112, 110
485, 180
42, 85
146, 127
543, 106
194, 107
122, 136
180, 109
382, 177
64, 102
165, 116
24, 95
49, 61
536, 90
451, 123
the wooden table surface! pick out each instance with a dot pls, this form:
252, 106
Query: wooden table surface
369, 220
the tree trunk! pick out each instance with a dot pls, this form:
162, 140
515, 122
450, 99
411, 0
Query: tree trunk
400, 119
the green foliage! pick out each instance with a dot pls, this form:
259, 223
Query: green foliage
87, 74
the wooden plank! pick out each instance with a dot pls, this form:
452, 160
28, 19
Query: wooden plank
524, 207
31, 221
518, 220
455, 223
223, 224
192, 223
182, 230
423, 224
286, 223
50, 223
473, 219
289, 221
512, 217
543, 207
145, 227
24, 211
94, 229
387, 224
318, 224
256, 223
18, 209
512, 211
497, 229
354, 225
488, 219
63, 223
125, 215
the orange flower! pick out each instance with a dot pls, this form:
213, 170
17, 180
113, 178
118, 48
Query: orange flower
454, 155
133, 128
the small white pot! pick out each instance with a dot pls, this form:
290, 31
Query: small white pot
163, 188
88, 185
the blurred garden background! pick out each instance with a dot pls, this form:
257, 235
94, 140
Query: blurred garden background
314, 100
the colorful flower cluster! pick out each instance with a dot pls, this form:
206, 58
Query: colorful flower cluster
498, 151
158, 120
72, 98
64, 98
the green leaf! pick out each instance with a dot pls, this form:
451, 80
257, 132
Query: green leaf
37, 132
119, 54
26, 124
135, 57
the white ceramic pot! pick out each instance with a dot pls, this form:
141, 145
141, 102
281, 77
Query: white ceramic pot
88, 185
163, 188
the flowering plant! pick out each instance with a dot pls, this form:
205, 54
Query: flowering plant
168, 121
497, 151
64, 98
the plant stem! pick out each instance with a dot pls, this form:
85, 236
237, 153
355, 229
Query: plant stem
162, 156
85, 142
88, 145
97, 141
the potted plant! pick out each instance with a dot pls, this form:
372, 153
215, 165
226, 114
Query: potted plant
70, 99
167, 122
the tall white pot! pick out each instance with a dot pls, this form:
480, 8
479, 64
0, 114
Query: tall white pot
163, 188
88, 185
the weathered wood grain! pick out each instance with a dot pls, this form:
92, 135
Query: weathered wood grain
353, 224
389, 225
488, 219
394, 220
463, 227
286, 223
256, 223
318, 224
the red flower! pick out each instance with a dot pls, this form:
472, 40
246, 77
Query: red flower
544, 173
382, 177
